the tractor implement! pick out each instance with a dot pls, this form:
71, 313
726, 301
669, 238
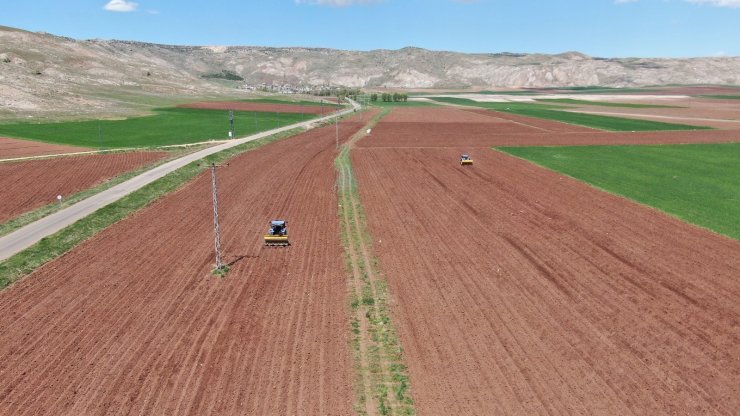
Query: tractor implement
465, 160
277, 234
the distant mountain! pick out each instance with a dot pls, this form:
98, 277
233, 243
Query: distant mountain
42, 72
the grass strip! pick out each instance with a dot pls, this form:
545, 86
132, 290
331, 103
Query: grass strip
601, 103
51, 247
376, 350
549, 112
697, 183
168, 126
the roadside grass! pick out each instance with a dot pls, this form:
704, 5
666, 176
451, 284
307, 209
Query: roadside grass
549, 112
49, 248
168, 126
380, 371
41, 212
720, 97
698, 183
602, 103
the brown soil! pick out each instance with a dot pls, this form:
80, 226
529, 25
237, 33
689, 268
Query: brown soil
697, 90
547, 125
133, 322
261, 107
27, 185
720, 114
519, 291
520, 131
11, 148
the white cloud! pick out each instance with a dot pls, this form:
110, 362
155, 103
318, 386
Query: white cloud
718, 3
624, 1
121, 6
337, 3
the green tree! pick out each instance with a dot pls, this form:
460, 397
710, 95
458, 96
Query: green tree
373, 97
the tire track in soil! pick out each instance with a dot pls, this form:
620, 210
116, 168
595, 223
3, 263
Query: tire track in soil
132, 321
548, 297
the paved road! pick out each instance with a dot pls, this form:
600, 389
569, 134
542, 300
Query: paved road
29, 235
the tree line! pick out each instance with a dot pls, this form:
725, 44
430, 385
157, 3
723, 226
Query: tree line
387, 97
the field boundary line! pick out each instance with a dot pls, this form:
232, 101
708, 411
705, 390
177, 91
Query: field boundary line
381, 377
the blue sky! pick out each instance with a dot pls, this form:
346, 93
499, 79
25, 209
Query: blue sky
607, 28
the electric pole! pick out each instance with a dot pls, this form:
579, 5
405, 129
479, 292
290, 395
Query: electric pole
336, 123
231, 122
100, 137
216, 226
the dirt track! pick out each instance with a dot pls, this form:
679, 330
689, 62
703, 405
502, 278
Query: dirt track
261, 107
423, 127
25, 186
519, 291
10, 148
132, 321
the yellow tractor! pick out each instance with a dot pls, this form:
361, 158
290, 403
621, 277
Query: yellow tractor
465, 160
277, 234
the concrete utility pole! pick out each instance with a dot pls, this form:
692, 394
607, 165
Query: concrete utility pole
336, 123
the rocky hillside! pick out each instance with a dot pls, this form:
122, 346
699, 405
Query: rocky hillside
41, 72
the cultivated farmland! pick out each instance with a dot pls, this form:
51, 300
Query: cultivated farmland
133, 321
13, 148
271, 106
168, 126
27, 185
520, 291
512, 289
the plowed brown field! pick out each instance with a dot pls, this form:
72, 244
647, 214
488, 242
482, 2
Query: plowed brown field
11, 148
483, 128
132, 321
519, 291
261, 107
25, 186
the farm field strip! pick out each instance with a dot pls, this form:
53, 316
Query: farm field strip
696, 182
14, 148
601, 103
550, 112
707, 122
264, 107
25, 186
484, 128
168, 126
133, 321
